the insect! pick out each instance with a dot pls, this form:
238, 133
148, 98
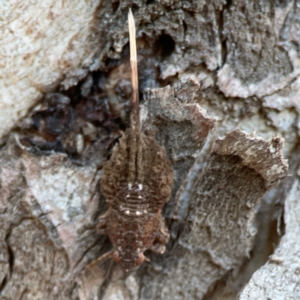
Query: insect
136, 183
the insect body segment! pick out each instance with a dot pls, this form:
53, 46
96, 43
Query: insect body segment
136, 183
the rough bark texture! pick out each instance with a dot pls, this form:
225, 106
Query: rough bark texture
211, 73
283, 265
43, 44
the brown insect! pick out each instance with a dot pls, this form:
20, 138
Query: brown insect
136, 182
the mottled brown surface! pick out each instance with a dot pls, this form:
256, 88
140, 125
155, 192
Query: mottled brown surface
217, 214
136, 196
238, 60
182, 126
137, 181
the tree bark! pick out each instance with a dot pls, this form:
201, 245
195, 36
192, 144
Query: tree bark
220, 90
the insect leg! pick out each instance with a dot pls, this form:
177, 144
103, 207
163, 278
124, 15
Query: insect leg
101, 258
161, 238
102, 227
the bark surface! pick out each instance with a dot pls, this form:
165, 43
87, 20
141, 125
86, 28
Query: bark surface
220, 89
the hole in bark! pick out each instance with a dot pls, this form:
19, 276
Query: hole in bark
115, 5
111, 63
149, 2
134, 7
164, 45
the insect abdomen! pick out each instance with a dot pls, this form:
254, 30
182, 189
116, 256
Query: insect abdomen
152, 182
